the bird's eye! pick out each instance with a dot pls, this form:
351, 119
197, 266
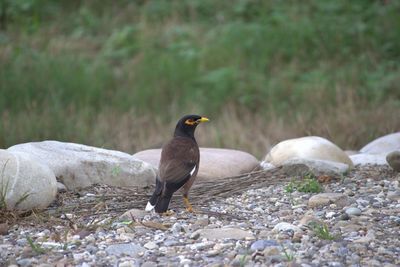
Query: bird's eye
190, 122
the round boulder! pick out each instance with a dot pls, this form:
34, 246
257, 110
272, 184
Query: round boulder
214, 162
309, 147
25, 183
383, 145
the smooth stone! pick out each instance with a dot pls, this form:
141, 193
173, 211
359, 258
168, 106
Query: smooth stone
26, 183
129, 249
353, 211
284, 226
61, 187
133, 214
301, 166
215, 163
150, 245
77, 165
262, 244
224, 233
309, 147
393, 159
383, 145
368, 159
309, 219
325, 199
393, 195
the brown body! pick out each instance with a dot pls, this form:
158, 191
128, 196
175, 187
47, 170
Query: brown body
178, 158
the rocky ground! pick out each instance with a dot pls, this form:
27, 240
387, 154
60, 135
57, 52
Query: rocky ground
356, 221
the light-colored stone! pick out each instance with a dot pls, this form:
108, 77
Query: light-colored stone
26, 183
129, 249
78, 165
363, 159
300, 166
393, 159
284, 226
133, 214
224, 233
309, 147
353, 211
383, 145
325, 199
214, 162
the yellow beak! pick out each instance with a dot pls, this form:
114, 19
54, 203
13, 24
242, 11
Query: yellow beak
203, 119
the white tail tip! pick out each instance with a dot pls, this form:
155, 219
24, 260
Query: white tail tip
149, 207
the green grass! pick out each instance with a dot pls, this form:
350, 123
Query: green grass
316, 67
308, 184
322, 231
36, 247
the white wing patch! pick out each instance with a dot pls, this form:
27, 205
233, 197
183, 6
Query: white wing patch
149, 207
193, 170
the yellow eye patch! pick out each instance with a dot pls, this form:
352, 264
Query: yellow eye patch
190, 122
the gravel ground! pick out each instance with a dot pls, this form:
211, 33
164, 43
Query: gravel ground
355, 222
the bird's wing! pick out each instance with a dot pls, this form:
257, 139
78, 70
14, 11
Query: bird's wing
179, 160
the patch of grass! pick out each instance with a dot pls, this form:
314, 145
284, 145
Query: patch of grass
118, 75
309, 184
288, 256
322, 231
36, 247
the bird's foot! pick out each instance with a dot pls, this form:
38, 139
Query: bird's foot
189, 207
168, 213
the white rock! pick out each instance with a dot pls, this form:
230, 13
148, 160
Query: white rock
27, 184
214, 162
284, 226
383, 145
150, 245
368, 159
78, 165
296, 166
309, 147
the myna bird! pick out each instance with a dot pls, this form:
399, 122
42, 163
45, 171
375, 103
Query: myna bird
179, 164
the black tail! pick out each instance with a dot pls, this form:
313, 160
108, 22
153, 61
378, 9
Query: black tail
163, 203
157, 192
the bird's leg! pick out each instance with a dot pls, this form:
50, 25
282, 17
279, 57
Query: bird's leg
189, 207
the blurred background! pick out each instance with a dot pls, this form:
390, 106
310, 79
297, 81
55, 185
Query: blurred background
119, 74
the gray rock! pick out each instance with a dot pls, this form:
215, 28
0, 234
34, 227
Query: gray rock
214, 162
393, 159
129, 249
224, 233
383, 145
134, 214
325, 199
262, 244
78, 165
301, 166
368, 159
309, 147
27, 183
353, 211
393, 195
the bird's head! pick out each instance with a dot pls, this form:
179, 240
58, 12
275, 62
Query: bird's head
187, 124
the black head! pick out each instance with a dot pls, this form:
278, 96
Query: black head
187, 124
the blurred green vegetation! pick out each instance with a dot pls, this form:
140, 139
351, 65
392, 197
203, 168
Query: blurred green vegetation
66, 61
